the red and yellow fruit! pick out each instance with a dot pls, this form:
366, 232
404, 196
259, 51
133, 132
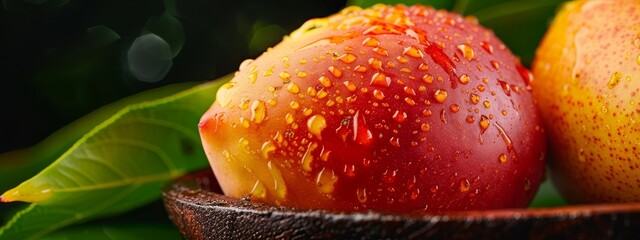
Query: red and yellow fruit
392, 108
588, 88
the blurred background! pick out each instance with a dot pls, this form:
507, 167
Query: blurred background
65, 58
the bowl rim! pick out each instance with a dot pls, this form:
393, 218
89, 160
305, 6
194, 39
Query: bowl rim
188, 190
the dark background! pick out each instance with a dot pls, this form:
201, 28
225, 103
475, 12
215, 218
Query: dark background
61, 59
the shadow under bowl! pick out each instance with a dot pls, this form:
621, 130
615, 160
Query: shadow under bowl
198, 208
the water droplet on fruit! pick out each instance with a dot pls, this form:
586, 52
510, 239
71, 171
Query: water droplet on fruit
244, 104
636, 42
402, 59
349, 170
302, 74
409, 101
413, 51
486, 104
394, 141
268, 72
443, 116
454, 108
527, 184
502, 158
243, 144
484, 123
389, 176
425, 127
325, 81
245, 64
360, 69
307, 111
349, 85
487, 47
294, 104
427, 78
464, 185
381, 51
581, 157
414, 194
375, 63
615, 80
466, 50
285, 76
470, 119
361, 194
226, 93
293, 88
505, 137
423, 67
253, 77
258, 111
434, 188
259, 191
288, 118
495, 65
307, 158
278, 138
325, 180
370, 42
475, 99
316, 124
400, 116
347, 58
335, 72
464, 79
378, 94
440, 95
324, 154
505, 87
244, 122
380, 80
278, 182
361, 133
526, 75
267, 147
321, 94
440, 58
408, 90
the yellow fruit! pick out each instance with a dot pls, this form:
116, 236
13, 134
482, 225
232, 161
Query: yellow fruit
587, 85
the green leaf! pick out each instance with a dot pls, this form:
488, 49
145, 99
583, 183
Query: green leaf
547, 196
117, 166
18, 166
148, 222
121, 231
520, 24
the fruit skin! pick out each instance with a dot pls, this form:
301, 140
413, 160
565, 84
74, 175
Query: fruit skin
588, 81
304, 126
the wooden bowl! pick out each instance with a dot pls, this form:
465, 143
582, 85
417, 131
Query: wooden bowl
199, 210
